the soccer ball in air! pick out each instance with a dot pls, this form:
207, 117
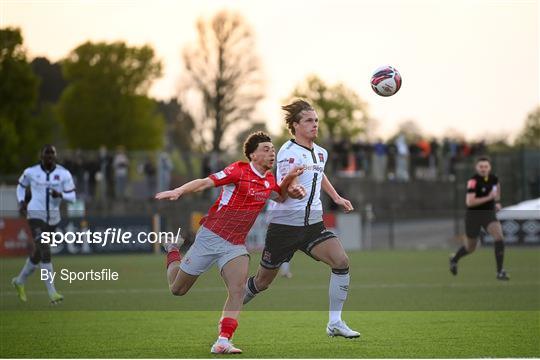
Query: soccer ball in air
386, 81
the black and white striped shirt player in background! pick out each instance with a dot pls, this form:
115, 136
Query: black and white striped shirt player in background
49, 184
297, 224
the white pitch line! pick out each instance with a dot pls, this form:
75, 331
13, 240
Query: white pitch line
274, 289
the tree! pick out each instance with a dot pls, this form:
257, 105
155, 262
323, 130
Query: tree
51, 86
341, 111
410, 129
223, 70
105, 102
19, 138
530, 135
52, 81
180, 128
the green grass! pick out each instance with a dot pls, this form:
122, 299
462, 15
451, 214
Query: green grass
405, 303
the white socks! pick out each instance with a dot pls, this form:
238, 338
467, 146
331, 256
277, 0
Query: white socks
48, 283
339, 287
26, 271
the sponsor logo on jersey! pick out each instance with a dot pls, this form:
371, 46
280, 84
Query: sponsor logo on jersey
314, 168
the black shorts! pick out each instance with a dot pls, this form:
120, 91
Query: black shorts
38, 226
282, 241
475, 220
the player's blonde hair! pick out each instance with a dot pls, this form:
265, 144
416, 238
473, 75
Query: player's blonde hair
293, 112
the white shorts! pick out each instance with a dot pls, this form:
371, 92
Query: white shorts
207, 249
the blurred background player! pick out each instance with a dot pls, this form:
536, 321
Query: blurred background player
483, 200
49, 184
298, 224
221, 237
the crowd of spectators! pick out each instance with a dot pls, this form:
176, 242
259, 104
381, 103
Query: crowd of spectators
106, 175
401, 160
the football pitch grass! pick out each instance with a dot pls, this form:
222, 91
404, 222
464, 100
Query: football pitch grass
405, 304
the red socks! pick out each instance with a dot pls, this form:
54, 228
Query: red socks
173, 256
227, 326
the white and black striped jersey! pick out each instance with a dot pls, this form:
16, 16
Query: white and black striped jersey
41, 183
308, 210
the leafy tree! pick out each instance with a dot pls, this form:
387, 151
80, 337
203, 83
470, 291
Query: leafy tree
20, 138
341, 111
52, 81
530, 135
223, 70
105, 102
410, 129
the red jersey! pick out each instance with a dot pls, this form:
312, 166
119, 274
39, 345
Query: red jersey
242, 198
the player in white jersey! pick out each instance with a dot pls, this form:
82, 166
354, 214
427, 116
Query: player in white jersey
49, 184
297, 224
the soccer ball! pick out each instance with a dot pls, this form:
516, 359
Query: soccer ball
386, 81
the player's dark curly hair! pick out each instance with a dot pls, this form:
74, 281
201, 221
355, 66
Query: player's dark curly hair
293, 112
253, 141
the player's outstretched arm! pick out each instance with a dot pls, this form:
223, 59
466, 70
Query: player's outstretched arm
288, 188
341, 201
188, 188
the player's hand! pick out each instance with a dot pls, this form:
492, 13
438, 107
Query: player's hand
296, 191
55, 194
296, 171
169, 195
23, 208
498, 206
345, 204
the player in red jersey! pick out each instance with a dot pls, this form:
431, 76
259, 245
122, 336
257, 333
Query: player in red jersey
221, 238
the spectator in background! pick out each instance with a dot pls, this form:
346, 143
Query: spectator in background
121, 170
357, 149
90, 169
433, 158
105, 168
402, 159
150, 171
165, 168
379, 160
339, 155
391, 155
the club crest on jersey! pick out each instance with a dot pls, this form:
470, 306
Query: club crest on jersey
266, 184
321, 157
56, 177
291, 160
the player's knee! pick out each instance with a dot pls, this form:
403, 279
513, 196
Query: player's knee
35, 258
341, 262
